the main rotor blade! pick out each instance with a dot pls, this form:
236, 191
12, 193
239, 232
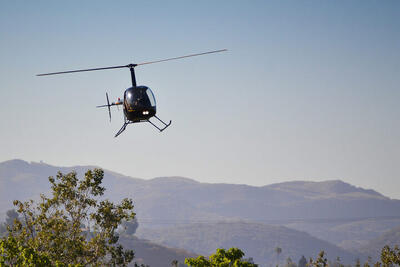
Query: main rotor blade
131, 65
71, 71
193, 55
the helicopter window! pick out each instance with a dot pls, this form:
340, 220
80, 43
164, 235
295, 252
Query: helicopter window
129, 100
140, 98
151, 97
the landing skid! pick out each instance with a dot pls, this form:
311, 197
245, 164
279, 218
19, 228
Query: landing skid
165, 125
159, 128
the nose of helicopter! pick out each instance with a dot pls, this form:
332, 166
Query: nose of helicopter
139, 103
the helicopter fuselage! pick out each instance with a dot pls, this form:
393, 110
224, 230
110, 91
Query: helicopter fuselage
139, 103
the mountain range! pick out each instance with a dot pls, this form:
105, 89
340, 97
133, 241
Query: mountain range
334, 211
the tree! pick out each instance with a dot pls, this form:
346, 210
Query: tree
368, 262
174, 263
71, 227
14, 253
11, 216
390, 257
3, 229
302, 261
337, 263
232, 257
290, 263
358, 263
278, 251
321, 261
130, 227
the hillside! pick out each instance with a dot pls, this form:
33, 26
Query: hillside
256, 240
152, 254
324, 189
23, 180
374, 246
350, 234
190, 199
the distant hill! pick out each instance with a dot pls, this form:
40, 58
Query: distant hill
23, 180
256, 240
351, 234
332, 210
374, 246
152, 254
189, 199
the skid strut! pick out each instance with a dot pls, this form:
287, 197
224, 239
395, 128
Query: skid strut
165, 125
159, 128
122, 129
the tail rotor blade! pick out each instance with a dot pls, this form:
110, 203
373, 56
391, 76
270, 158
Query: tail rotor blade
108, 105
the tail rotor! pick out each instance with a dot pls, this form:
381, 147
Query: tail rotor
108, 106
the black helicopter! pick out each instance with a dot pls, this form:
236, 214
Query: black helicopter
139, 103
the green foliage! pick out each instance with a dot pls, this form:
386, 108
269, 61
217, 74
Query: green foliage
390, 256
321, 261
232, 257
14, 253
200, 261
71, 227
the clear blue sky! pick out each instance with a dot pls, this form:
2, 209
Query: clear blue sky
308, 90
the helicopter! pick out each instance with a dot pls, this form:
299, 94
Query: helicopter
139, 103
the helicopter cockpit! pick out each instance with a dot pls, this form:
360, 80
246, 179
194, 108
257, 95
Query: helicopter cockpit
139, 102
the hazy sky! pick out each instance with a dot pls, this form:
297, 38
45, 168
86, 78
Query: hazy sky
309, 90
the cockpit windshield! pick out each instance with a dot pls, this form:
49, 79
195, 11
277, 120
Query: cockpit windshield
151, 97
139, 97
